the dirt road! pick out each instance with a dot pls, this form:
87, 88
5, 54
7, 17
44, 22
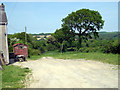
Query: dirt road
57, 73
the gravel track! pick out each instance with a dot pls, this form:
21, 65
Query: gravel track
48, 72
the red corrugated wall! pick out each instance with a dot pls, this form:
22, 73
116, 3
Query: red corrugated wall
21, 51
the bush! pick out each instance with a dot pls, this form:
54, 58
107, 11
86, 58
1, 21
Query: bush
51, 47
111, 47
82, 49
33, 52
42, 49
72, 49
89, 49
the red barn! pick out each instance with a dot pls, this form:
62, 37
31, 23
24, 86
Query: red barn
20, 50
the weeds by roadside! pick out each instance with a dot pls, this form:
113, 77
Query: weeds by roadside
14, 76
97, 56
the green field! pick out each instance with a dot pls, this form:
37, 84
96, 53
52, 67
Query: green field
97, 56
14, 76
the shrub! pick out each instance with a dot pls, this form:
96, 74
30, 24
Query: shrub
81, 49
51, 47
33, 52
42, 49
72, 49
111, 47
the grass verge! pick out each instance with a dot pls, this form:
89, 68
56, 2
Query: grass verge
35, 57
14, 76
97, 56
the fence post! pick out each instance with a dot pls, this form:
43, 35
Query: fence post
2, 59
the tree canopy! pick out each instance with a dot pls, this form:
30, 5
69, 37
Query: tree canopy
85, 23
63, 35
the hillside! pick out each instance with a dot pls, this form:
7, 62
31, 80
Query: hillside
108, 35
102, 35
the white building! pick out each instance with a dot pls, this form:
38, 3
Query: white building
3, 33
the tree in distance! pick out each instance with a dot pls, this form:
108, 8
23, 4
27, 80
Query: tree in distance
85, 23
64, 35
51, 40
51, 43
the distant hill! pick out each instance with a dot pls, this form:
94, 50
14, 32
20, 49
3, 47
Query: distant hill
102, 35
109, 35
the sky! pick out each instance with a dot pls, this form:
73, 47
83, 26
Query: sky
45, 17
60, 0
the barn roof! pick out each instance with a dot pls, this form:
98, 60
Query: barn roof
18, 44
3, 17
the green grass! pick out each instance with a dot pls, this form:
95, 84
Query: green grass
35, 57
97, 56
13, 76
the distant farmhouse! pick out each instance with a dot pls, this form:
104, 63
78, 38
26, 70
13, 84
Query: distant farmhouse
42, 36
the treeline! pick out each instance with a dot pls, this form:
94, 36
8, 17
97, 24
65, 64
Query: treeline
36, 47
105, 46
42, 34
109, 35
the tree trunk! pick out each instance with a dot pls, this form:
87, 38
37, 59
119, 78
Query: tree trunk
80, 42
62, 47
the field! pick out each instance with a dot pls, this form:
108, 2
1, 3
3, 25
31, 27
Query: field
14, 76
97, 56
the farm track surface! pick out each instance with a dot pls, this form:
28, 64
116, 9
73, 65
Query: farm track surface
48, 72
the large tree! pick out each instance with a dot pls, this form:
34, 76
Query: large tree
85, 23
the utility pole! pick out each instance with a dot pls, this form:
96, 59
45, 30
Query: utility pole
25, 35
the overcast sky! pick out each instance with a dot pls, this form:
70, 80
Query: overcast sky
45, 17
